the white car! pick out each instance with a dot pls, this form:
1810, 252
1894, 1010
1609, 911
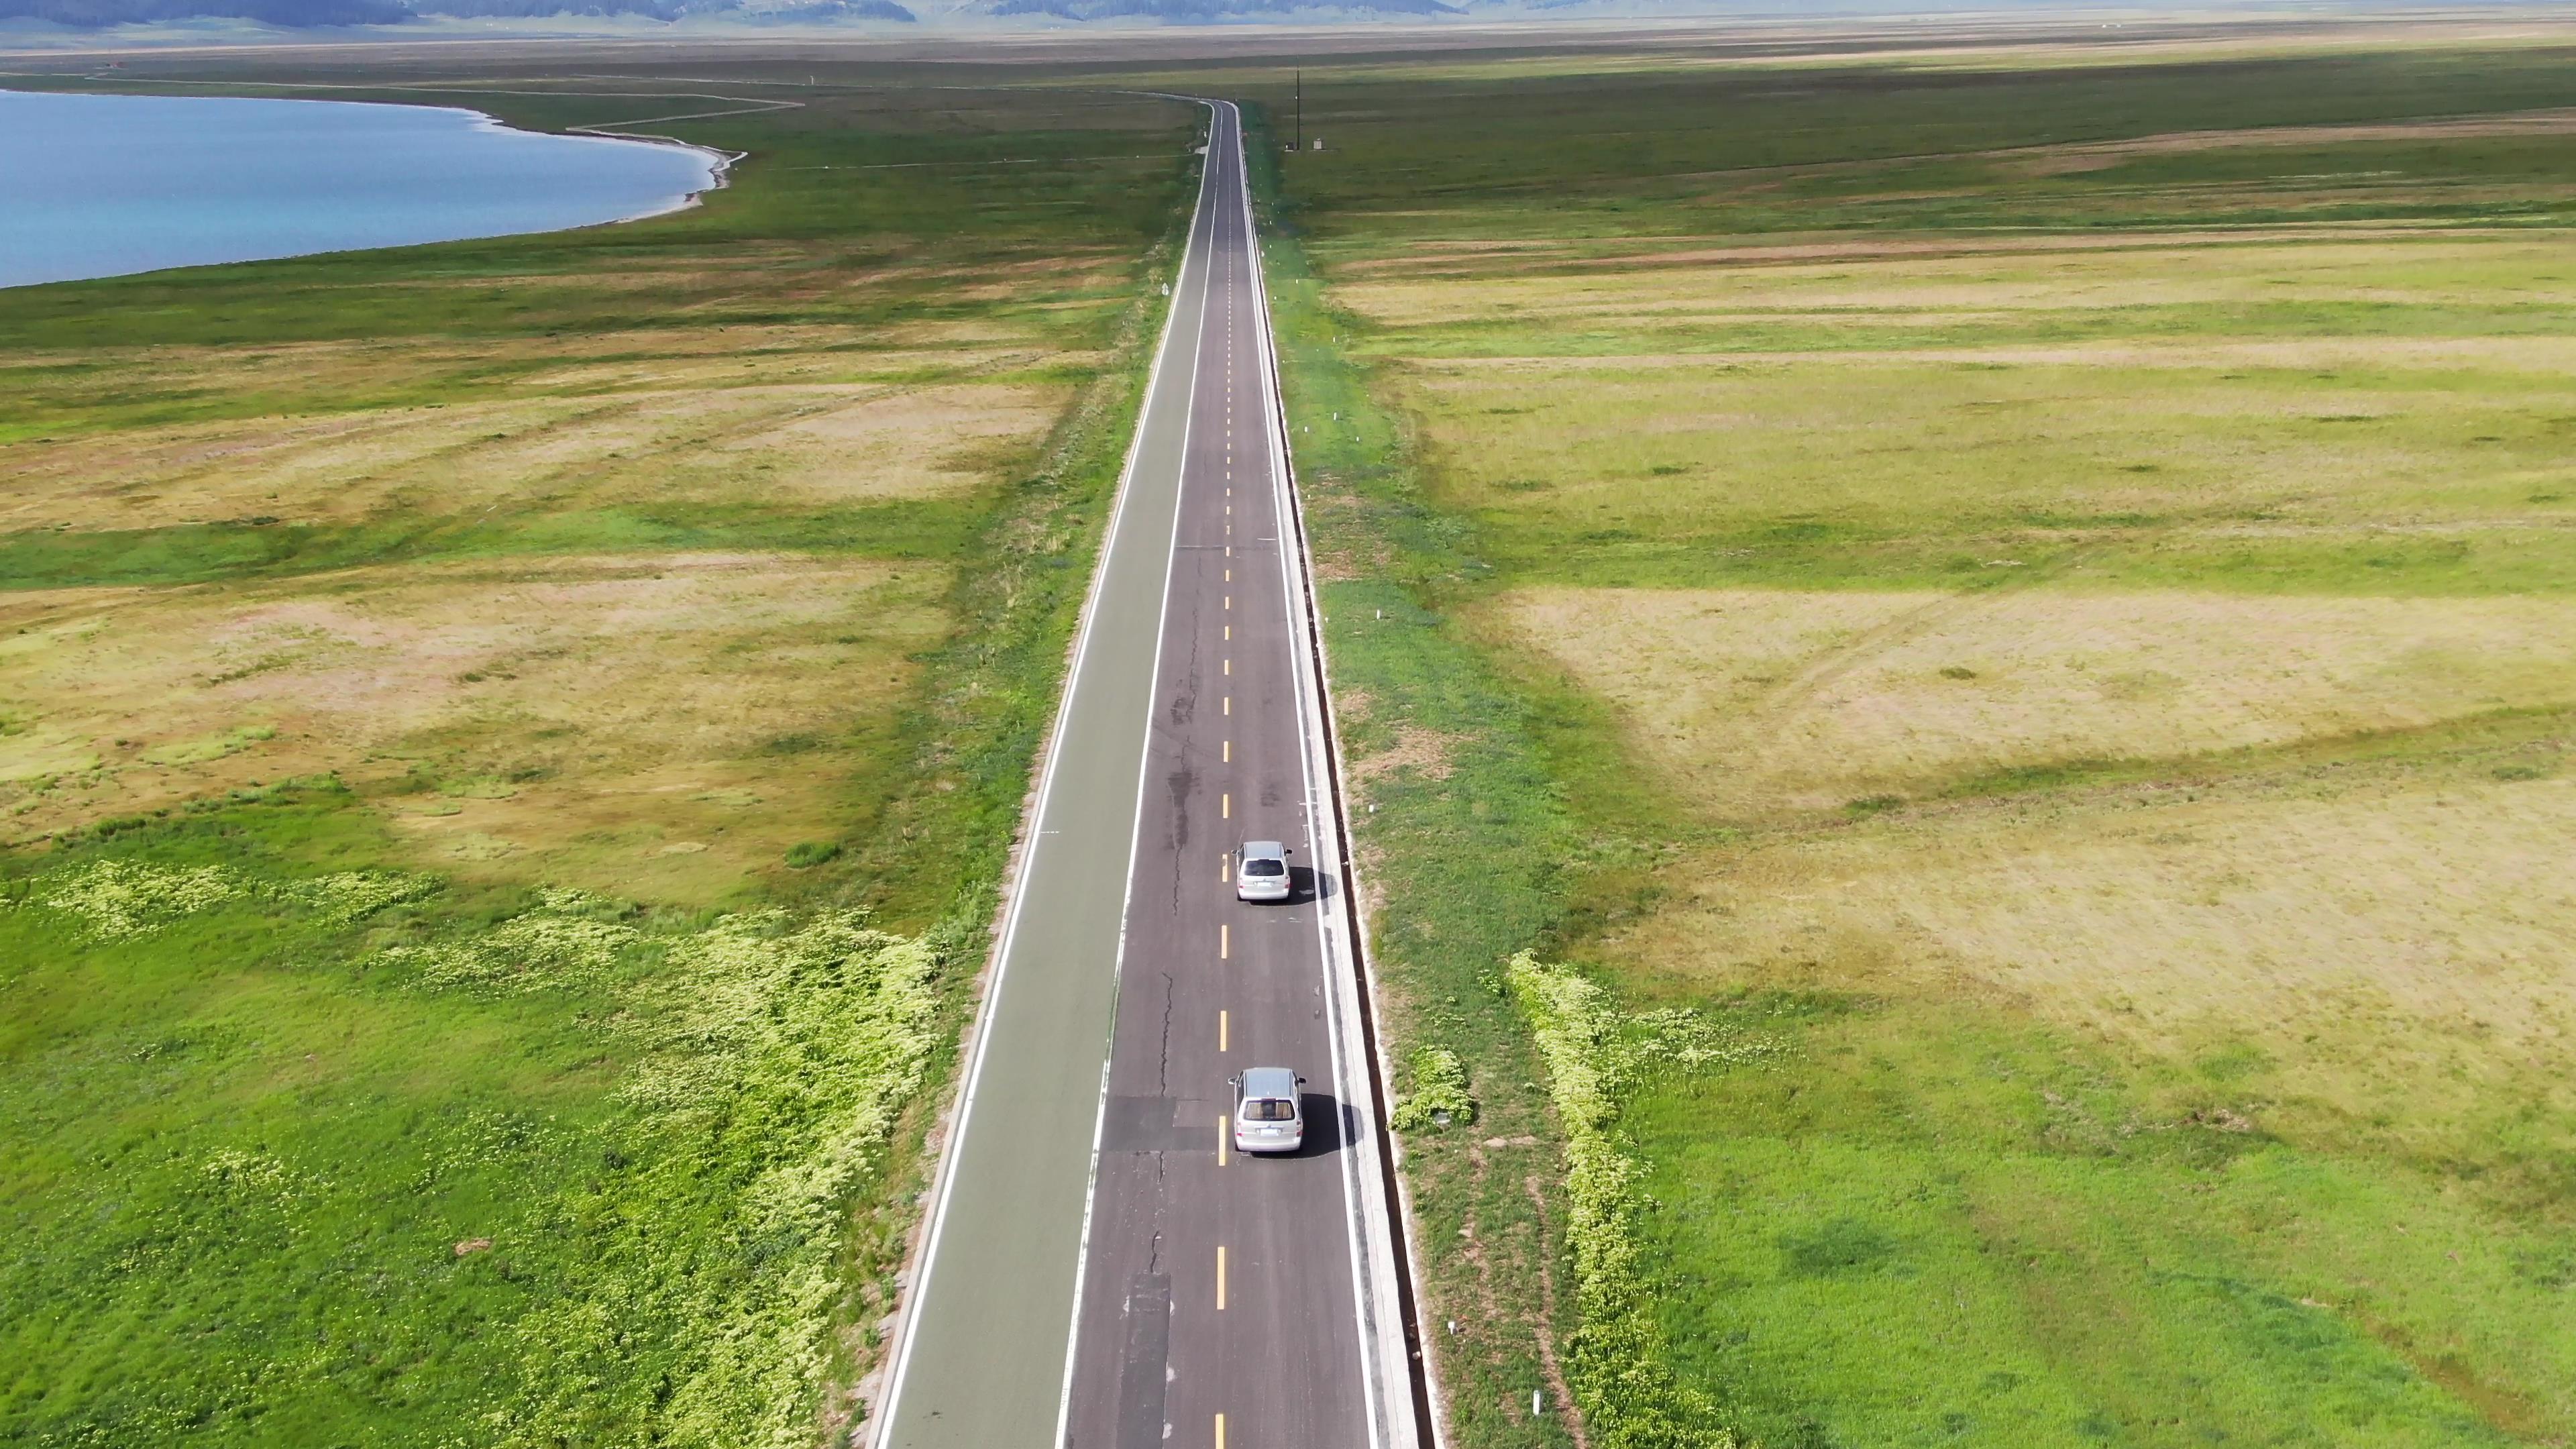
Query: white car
1261, 871
1267, 1114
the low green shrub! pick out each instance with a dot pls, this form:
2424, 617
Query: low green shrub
114, 899
1439, 1097
806, 854
1621, 1373
778, 1052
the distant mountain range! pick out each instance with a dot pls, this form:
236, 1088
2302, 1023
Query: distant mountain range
90, 14
300, 14
1200, 12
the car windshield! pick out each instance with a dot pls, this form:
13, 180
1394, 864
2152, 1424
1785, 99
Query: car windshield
1269, 1109
1265, 867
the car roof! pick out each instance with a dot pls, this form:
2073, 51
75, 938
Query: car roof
1264, 847
1270, 1082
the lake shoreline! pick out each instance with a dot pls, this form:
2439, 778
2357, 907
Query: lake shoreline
126, 183
719, 163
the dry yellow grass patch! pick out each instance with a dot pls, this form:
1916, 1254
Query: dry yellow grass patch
2084, 156
2506, 355
2399, 951
1761, 700
819, 444
920, 444
1435, 257
293, 369
584, 719
673, 367
1415, 751
1713, 287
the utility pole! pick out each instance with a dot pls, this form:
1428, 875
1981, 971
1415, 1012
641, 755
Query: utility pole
1301, 110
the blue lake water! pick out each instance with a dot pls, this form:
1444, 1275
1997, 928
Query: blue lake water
102, 185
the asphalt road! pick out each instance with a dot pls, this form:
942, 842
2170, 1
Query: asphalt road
1102, 1270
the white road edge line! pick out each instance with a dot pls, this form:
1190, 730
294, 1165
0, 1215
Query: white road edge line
1136, 828
1376, 1297
962, 1111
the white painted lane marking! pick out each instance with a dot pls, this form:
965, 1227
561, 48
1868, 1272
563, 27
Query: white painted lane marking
1135, 839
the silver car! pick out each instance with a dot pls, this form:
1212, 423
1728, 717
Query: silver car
1267, 1114
1261, 871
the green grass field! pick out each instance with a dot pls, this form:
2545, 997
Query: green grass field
2013, 608
507, 753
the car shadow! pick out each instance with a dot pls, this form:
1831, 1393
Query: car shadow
1329, 1125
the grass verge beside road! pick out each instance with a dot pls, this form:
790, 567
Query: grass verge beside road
1463, 840
509, 752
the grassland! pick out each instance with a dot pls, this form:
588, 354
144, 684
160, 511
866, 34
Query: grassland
2017, 615
506, 751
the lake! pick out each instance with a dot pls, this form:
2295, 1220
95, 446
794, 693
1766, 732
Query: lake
103, 185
